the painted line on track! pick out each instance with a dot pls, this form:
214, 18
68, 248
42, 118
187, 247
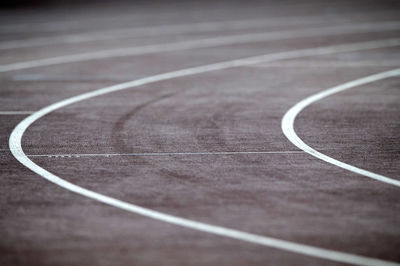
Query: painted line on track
341, 64
15, 146
125, 33
47, 26
204, 43
66, 77
16, 112
53, 26
290, 116
160, 154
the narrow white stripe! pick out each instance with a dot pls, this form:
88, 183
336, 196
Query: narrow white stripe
66, 77
290, 116
341, 64
58, 25
160, 153
153, 31
16, 112
65, 25
203, 43
16, 149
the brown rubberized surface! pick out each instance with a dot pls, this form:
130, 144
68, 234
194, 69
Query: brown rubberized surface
291, 196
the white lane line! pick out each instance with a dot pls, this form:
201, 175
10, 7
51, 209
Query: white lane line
159, 154
123, 20
364, 63
154, 31
343, 257
54, 26
204, 43
290, 116
42, 77
16, 112
41, 26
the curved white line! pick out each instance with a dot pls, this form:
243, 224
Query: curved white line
203, 43
290, 116
17, 151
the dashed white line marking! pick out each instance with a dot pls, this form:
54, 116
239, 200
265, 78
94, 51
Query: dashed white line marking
159, 154
289, 118
17, 151
16, 112
203, 43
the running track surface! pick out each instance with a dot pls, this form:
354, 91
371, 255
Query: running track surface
186, 132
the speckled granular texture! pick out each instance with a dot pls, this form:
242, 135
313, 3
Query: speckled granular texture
288, 195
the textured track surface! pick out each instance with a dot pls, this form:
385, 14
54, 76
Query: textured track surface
206, 147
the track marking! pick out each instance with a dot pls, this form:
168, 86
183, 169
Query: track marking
17, 151
153, 31
45, 26
338, 63
16, 112
72, 24
160, 154
290, 116
203, 43
57, 78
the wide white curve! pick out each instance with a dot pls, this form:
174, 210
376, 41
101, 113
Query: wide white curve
290, 116
204, 43
17, 151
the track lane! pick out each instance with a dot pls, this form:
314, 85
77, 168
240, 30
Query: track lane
156, 31
205, 43
15, 146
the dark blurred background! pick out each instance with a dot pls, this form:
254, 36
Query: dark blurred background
58, 3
